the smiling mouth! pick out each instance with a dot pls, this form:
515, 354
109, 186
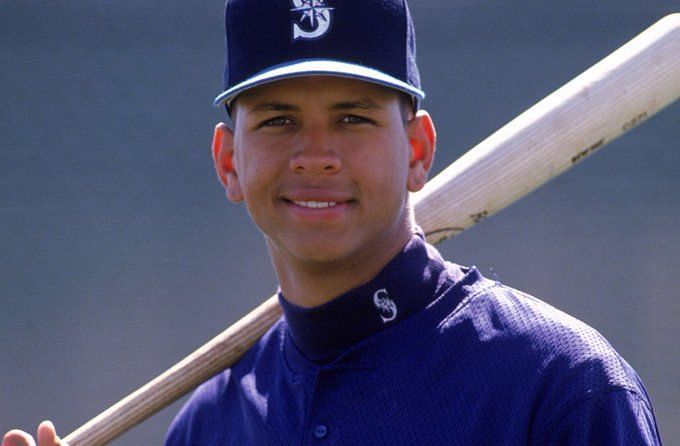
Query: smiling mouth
315, 204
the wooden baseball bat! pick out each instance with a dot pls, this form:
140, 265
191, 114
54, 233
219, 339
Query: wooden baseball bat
616, 94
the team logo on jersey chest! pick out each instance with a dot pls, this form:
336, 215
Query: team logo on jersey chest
315, 20
386, 306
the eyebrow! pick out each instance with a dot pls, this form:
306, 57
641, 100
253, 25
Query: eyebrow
274, 106
362, 104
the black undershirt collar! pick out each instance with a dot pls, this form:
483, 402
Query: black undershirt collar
406, 285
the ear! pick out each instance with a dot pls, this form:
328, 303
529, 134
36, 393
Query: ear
422, 138
223, 156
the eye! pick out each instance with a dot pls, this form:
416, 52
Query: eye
354, 119
278, 121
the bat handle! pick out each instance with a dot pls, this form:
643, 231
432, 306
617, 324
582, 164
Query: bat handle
218, 354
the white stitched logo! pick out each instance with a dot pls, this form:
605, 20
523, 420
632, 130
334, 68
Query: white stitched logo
317, 15
386, 306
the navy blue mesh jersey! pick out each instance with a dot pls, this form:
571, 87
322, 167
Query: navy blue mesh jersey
426, 353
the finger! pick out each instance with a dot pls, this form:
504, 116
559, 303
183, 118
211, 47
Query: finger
47, 434
17, 438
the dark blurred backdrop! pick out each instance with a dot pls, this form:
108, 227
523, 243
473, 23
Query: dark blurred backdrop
119, 253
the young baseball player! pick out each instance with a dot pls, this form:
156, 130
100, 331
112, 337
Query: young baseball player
382, 341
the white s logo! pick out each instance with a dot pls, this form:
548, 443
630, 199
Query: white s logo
386, 306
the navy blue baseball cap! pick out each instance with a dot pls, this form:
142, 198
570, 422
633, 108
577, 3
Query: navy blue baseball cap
369, 40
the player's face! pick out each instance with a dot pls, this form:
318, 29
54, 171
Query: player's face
324, 165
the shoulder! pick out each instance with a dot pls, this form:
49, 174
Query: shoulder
565, 371
534, 328
215, 402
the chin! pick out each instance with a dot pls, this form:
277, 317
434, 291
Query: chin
320, 251
320, 254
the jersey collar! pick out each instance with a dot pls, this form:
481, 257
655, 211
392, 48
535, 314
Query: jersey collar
406, 285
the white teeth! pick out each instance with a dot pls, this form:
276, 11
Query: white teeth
315, 204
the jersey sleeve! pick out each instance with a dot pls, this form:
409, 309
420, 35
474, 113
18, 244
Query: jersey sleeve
615, 417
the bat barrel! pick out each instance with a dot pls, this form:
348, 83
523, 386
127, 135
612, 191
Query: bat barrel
607, 100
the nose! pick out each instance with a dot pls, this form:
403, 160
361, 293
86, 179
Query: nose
316, 155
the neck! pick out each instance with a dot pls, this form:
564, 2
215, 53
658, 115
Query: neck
309, 284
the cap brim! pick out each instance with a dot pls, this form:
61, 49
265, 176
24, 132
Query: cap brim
318, 67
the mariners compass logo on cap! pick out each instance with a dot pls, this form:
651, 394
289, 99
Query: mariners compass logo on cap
317, 16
